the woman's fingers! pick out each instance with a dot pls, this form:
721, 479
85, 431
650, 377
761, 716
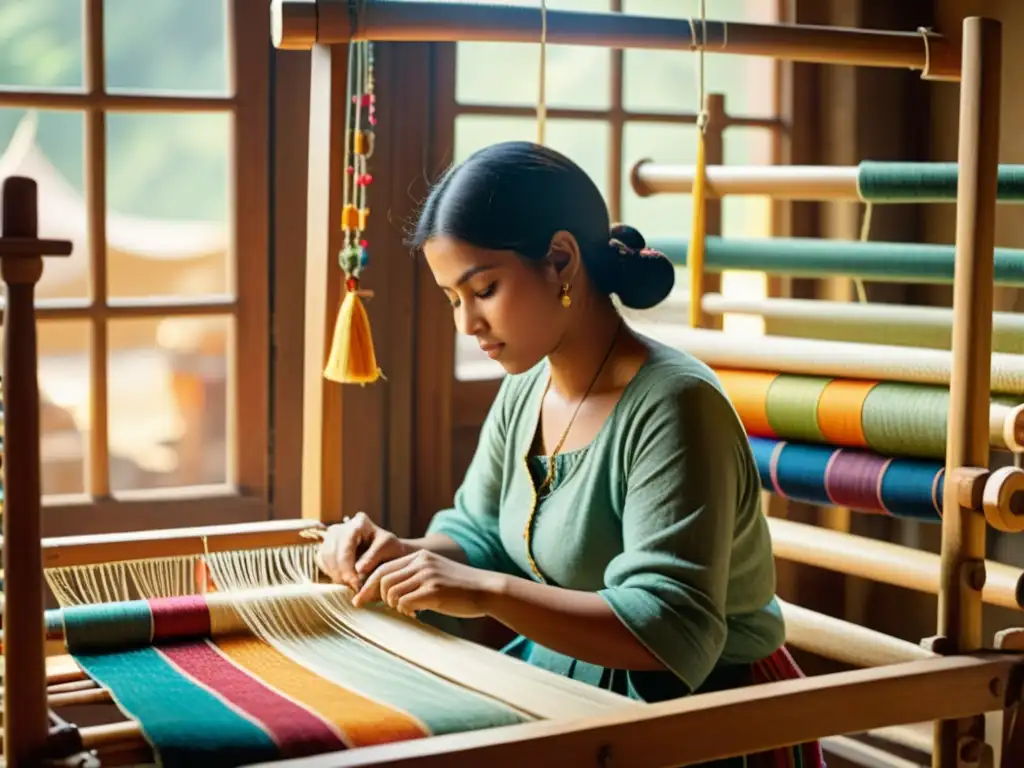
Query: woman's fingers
396, 585
378, 551
422, 598
372, 589
340, 547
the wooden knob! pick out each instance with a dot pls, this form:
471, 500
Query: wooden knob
20, 209
1003, 499
293, 24
1013, 429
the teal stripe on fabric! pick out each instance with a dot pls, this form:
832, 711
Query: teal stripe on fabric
187, 725
107, 626
893, 182
382, 677
810, 257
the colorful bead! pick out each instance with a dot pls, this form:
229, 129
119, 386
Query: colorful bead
349, 217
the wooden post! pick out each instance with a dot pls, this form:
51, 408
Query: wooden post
21, 263
322, 400
963, 529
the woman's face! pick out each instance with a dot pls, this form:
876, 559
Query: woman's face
511, 306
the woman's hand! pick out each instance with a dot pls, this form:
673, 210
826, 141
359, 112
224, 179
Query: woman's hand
354, 548
424, 581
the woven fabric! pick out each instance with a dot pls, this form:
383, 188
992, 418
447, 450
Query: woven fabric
859, 480
208, 697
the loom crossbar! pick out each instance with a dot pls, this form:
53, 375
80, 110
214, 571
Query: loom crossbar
869, 181
299, 24
811, 257
69, 551
690, 730
882, 561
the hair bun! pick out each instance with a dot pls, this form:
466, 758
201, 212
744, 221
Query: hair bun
625, 235
641, 276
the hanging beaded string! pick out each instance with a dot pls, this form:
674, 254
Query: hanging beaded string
360, 124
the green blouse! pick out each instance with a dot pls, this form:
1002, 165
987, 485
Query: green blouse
660, 514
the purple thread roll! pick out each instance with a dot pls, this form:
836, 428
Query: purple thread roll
854, 479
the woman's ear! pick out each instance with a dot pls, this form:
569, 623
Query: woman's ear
564, 256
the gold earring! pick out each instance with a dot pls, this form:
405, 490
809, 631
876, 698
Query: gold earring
564, 296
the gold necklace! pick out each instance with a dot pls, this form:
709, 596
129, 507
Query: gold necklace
550, 478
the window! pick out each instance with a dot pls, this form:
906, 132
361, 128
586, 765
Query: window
152, 335
607, 110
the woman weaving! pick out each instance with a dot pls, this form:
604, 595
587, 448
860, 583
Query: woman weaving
611, 513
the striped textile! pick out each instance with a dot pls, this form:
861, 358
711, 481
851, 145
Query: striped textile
207, 697
859, 480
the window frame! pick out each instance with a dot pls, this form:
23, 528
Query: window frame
245, 496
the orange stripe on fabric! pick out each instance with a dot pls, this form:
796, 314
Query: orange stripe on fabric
362, 721
840, 412
748, 392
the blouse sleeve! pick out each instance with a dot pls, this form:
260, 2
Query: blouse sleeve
685, 475
472, 522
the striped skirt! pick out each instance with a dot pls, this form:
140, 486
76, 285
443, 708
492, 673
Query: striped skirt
779, 666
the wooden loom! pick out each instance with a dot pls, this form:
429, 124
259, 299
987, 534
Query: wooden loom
954, 681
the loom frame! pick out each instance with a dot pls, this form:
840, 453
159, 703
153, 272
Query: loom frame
780, 713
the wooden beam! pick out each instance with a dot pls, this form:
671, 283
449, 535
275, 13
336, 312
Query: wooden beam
299, 24
694, 729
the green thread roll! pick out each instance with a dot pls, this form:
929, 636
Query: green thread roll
885, 182
792, 407
811, 257
906, 420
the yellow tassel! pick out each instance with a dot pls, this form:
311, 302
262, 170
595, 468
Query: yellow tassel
352, 359
695, 257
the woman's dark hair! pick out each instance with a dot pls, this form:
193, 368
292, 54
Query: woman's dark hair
516, 195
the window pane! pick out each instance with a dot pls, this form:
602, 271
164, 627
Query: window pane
41, 43
747, 216
658, 215
166, 45
48, 146
168, 380
584, 141
509, 73
64, 393
666, 81
168, 204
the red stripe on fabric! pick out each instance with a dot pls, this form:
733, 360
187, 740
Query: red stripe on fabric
296, 730
177, 617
